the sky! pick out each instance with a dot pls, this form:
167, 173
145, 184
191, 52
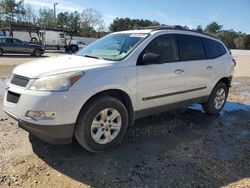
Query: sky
232, 14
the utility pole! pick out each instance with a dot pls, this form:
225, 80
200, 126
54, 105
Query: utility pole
55, 11
12, 18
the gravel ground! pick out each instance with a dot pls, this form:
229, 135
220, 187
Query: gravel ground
181, 148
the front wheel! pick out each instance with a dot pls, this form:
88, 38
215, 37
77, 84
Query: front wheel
101, 124
217, 99
37, 52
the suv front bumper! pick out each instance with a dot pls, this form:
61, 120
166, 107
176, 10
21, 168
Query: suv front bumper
54, 134
57, 130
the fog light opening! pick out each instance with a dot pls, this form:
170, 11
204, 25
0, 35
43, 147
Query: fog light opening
40, 115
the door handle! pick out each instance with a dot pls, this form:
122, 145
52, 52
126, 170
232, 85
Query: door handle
179, 71
210, 67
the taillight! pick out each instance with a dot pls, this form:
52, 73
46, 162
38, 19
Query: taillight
234, 61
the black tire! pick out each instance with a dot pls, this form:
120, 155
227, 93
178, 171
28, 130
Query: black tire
34, 40
210, 106
73, 48
37, 52
1, 52
88, 113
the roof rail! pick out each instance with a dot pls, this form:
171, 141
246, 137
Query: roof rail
174, 27
159, 27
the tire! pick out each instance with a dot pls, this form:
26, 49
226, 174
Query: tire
73, 48
34, 40
101, 136
217, 99
1, 52
37, 52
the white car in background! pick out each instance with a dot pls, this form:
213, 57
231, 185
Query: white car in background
97, 93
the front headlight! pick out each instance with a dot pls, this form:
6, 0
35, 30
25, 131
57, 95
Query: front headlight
59, 82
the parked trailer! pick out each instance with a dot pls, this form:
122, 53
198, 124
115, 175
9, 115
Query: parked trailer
52, 39
57, 40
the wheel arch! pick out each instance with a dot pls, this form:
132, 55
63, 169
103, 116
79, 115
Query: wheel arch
226, 80
36, 49
118, 94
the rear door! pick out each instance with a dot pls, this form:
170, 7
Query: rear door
198, 74
215, 51
161, 84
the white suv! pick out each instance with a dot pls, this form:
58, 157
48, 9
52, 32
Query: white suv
97, 93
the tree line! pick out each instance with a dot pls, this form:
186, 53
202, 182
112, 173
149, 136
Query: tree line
231, 38
90, 23
14, 14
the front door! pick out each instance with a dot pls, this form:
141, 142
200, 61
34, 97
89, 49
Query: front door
21, 47
162, 82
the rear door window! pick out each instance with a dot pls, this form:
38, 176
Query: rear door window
191, 47
214, 49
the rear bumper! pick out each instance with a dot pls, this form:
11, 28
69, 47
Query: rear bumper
53, 134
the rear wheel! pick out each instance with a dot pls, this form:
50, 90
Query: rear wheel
37, 52
101, 124
1, 52
217, 99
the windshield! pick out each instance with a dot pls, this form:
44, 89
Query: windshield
113, 47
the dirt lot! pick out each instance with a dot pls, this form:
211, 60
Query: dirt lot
181, 148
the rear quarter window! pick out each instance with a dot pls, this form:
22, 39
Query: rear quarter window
213, 48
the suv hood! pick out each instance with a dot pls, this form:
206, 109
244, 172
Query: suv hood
56, 65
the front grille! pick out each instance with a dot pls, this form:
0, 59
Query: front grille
13, 97
19, 81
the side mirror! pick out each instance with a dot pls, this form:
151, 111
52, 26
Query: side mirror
151, 58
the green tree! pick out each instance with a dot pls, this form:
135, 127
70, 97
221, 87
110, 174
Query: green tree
213, 28
28, 17
120, 24
247, 41
228, 36
239, 42
63, 20
75, 22
199, 28
10, 9
46, 18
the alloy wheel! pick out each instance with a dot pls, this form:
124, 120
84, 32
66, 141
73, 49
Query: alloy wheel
106, 126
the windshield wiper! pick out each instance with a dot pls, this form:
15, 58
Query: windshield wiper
92, 56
